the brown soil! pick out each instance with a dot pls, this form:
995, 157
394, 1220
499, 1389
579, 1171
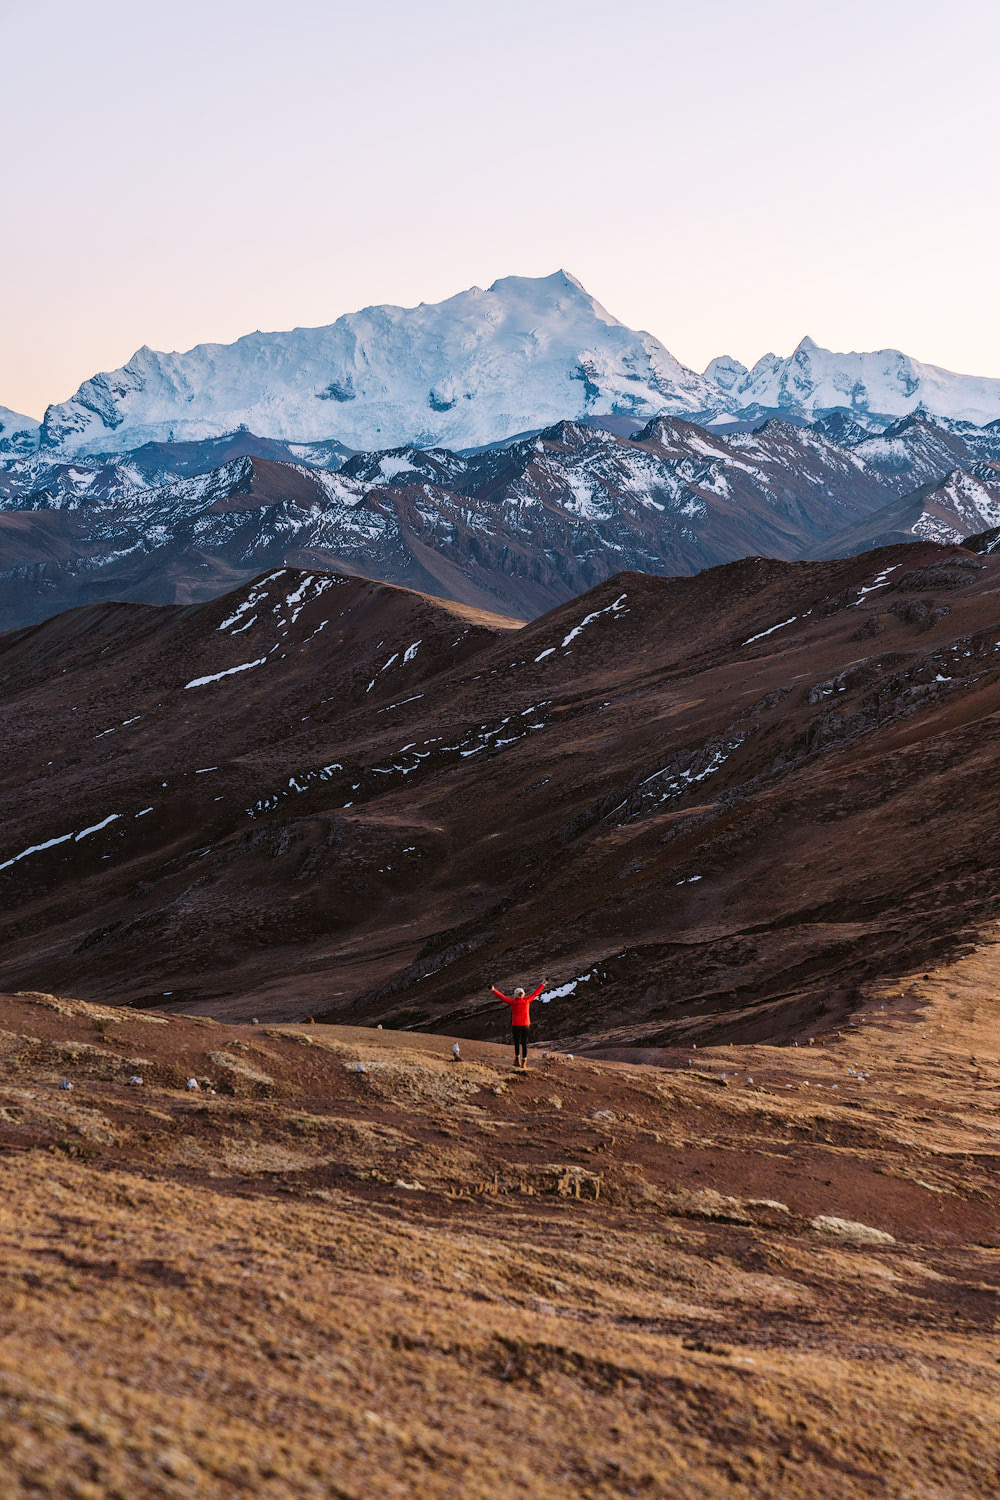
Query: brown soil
443, 1278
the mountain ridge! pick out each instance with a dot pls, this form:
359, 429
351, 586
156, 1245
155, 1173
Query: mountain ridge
517, 528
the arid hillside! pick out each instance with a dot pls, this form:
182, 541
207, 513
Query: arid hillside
701, 807
347, 1264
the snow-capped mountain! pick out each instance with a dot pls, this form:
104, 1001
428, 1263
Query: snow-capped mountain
884, 382
18, 434
726, 372
479, 367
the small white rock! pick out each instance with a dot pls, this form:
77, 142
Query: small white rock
193, 1083
65, 1084
135, 1080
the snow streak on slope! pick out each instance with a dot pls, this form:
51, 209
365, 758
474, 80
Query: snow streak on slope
62, 838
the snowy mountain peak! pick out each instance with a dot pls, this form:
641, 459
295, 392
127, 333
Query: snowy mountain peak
18, 434
726, 371
556, 281
882, 383
479, 367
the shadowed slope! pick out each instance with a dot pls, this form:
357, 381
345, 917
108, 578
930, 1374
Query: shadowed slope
702, 806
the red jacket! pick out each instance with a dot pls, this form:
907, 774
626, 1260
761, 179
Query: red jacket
520, 1006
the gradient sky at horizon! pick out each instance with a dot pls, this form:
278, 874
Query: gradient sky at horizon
728, 176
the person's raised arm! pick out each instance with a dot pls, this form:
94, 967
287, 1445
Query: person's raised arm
543, 986
505, 998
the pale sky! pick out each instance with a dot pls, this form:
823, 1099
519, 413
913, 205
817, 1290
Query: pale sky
729, 176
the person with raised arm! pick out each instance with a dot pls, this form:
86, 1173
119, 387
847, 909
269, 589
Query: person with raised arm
520, 1019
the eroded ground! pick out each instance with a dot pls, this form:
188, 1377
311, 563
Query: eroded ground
439, 1277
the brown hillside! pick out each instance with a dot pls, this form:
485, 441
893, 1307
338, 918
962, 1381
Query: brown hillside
438, 1278
704, 807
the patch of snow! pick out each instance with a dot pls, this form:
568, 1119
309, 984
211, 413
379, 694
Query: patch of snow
390, 466
229, 672
770, 631
400, 703
257, 593
562, 990
616, 608
63, 838
880, 581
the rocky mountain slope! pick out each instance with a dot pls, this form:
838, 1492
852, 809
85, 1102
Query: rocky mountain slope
515, 528
953, 509
703, 807
918, 450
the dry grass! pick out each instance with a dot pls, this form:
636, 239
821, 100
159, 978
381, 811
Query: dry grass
440, 1279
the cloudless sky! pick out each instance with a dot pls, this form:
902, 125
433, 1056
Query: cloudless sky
727, 175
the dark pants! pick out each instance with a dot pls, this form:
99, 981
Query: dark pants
520, 1041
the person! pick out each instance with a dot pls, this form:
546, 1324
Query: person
520, 1019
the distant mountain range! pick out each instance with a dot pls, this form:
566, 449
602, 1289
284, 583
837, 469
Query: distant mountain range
479, 368
515, 528
883, 383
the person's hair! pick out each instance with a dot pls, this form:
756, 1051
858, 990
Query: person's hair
518, 994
